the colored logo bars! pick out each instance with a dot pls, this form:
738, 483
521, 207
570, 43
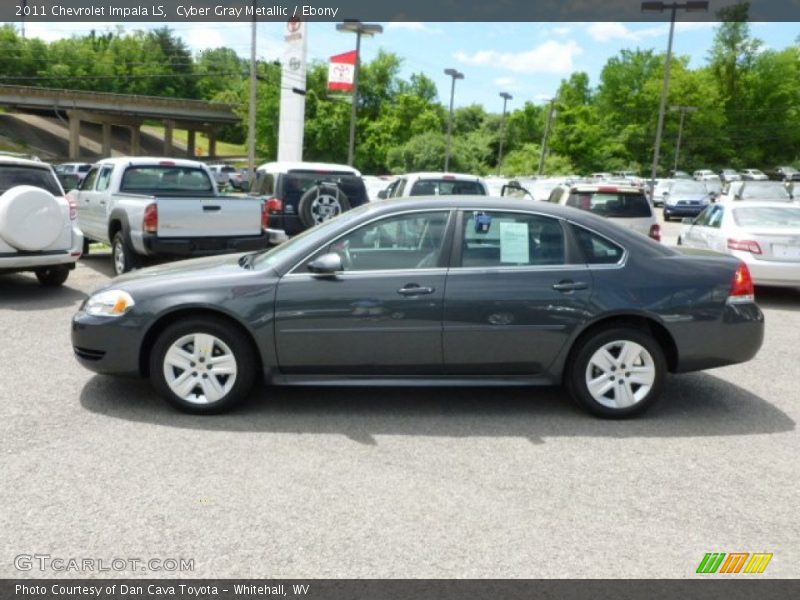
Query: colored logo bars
734, 562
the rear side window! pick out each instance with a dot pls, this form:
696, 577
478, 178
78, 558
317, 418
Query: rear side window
618, 205
14, 175
170, 180
446, 187
596, 249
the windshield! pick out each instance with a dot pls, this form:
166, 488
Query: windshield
688, 188
14, 175
446, 187
167, 180
769, 217
763, 190
611, 204
306, 242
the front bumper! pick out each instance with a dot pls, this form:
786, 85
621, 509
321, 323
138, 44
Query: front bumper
206, 246
108, 345
683, 210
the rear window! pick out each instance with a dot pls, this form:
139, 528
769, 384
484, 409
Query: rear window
446, 187
764, 190
14, 175
617, 205
166, 180
768, 216
297, 183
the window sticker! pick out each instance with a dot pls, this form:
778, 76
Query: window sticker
514, 245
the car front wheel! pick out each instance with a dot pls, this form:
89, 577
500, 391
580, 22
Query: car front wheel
202, 366
617, 372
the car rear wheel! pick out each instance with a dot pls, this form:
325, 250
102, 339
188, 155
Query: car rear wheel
123, 256
202, 366
617, 372
52, 276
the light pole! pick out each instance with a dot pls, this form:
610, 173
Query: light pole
506, 97
359, 28
683, 110
455, 75
251, 114
550, 114
691, 6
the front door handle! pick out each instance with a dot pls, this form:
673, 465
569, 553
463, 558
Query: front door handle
211, 208
412, 289
570, 286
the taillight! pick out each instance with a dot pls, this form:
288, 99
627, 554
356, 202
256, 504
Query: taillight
73, 208
655, 232
264, 216
750, 246
275, 206
150, 222
742, 288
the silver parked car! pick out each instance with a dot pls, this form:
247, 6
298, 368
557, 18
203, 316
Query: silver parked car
765, 235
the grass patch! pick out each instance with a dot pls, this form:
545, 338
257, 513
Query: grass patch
181, 136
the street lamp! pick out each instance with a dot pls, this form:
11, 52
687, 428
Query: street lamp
550, 115
359, 28
673, 8
506, 97
683, 110
455, 75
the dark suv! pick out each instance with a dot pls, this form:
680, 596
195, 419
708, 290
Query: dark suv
300, 195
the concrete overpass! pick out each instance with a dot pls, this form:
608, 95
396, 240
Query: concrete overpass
124, 110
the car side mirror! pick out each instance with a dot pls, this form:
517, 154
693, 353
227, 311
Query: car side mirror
382, 194
327, 264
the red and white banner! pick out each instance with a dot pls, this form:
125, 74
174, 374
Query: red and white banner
342, 71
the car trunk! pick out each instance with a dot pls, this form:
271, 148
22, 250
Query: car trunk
776, 244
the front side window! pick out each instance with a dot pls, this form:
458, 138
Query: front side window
89, 180
497, 239
104, 179
411, 241
715, 220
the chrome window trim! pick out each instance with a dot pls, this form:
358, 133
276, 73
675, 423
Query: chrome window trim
603, 266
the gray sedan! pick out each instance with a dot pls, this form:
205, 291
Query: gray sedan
449, 291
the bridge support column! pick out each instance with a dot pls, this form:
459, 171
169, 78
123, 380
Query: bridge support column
136, 140
212, 144
106, 139
74, 135
169, 127
191, 143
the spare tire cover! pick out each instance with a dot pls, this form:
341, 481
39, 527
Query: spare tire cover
30, 218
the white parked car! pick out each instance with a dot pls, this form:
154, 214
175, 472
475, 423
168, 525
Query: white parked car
704, 175
38, 223
765, 235
437, 184
626, 205
766, 191
754, 175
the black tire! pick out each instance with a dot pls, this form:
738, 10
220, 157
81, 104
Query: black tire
86, 246
306, 206
576, 371
239, 346
123, 256
52, 276
680, 241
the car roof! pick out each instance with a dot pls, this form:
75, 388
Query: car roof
136, 161
23, 162
443, 174
284, 166
605, 187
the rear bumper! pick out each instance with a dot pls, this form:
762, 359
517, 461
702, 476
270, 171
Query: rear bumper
205, 246
29, 261
733, 339
777, 273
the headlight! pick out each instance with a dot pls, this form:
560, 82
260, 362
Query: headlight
113, 303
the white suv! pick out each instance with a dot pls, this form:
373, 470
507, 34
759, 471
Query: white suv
435, 184
38, 224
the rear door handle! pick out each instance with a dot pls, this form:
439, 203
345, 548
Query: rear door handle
415, 290
570, 286
212, 208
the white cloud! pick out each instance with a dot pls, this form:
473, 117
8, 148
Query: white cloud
412, 26
604, 31
204, 38
562, 31
548, 57
607, 31
504, 81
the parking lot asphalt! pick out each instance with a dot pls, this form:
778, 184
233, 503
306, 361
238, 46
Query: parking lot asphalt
390, 482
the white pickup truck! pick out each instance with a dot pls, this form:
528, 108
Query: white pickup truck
163, 207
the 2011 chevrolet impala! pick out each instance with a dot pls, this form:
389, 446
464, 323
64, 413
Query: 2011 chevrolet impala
448, 291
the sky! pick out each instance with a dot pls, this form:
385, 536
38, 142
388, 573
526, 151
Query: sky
527, 60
